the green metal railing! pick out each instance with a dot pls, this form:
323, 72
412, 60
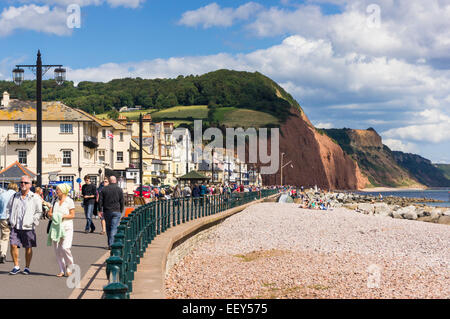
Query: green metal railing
137, 231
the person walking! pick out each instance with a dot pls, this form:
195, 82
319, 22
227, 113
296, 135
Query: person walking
89, 192
187, 191
102, 219
61, 230
24, 210
196, 194
4, 227
45, 205
111, 206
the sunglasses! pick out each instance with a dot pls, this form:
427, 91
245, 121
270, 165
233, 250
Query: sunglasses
24, 183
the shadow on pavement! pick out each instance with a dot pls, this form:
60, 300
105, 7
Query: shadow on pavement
30, 275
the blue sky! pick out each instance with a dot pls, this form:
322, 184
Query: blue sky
382, 64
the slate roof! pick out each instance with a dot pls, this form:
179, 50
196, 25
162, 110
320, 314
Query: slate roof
193, 175
15, 171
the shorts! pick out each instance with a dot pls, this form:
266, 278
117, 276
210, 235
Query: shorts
22, 238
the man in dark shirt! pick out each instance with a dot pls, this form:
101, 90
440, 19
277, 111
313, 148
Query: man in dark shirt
88, 192
111, 206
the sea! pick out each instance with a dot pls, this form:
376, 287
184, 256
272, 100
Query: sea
432, 193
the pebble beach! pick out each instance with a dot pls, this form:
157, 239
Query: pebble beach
274, 250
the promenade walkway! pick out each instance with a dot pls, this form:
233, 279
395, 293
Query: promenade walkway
150, 276
87, 249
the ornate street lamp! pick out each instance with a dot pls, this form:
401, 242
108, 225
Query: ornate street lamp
18, 76
60, 75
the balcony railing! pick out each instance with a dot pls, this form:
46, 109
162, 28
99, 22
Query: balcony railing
15, 137
90, 141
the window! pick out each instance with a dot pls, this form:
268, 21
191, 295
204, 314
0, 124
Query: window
101, 156
66, 128
121, 136
67, 158
23, 157
103, 133
22, 129
87, 154
120, 156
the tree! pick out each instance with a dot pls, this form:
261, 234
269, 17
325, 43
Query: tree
113, 114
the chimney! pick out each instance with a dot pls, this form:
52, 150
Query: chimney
122, 119
5, 100
147, 118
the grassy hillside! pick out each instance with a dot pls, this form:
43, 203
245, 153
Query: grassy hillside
444, 168
234, 117
422, 169
182, 112
132, 115
376, 162
221, 88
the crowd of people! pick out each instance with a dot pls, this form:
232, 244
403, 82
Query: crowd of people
198, 190
23, 206
314, 202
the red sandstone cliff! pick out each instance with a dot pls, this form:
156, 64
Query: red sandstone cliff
316, 159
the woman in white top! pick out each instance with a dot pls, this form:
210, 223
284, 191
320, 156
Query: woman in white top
65, 206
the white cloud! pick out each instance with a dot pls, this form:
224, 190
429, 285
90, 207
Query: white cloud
433, 133
415, 30
213, 15
34, 18
398, 145
113, 3
323, 125
430, 125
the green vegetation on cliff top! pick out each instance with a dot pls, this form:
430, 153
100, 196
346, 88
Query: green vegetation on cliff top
222, 88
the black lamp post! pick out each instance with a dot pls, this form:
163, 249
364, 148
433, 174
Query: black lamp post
141, 160
212, 165
60, 77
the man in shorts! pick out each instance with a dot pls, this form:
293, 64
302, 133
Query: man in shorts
24, 211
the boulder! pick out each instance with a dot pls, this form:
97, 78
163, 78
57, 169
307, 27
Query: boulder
366, 208
427, 219
421, 212
410, 215
444, 220
446, 213
435, 214
397, 214
352, 206
408, 212
382, 209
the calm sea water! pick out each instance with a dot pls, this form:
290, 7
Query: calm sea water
440, 194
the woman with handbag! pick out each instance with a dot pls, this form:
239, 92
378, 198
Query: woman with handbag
61, 229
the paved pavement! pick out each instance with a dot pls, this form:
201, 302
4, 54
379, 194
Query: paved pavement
43, 283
